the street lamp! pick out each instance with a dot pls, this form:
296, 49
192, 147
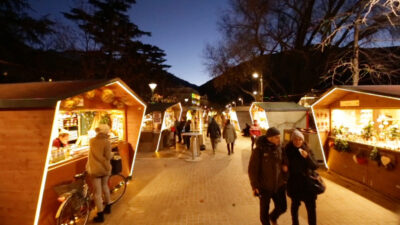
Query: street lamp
241, 100
186, 99
256, 76
152, 87
255, 92
234, 103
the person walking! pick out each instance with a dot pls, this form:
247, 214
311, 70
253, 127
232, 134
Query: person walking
229, 135
180, 127
99, 170
300, 161
267, 168
186, 129
176, 129
255, 132
214, 132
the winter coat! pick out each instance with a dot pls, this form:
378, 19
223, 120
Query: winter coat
229, 133
100, 154
213, 130
186, 128
265, 166
298, 169
255, 130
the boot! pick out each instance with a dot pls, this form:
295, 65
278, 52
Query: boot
107, 209
99, 218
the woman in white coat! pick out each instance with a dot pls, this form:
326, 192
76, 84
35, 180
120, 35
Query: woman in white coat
99, 170
229, 135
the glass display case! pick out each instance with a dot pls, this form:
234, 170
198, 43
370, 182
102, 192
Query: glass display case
377, 127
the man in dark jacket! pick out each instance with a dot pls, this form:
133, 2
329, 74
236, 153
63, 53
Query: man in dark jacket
214, 132
267, 169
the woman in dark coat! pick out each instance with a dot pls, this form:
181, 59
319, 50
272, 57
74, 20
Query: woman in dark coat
300, 161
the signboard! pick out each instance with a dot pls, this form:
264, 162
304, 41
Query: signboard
350, 103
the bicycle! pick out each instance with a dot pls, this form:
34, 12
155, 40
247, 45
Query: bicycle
78, 202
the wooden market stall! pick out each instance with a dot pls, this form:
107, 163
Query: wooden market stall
240, 115
159, 119
282, 115
358, 128
32, 115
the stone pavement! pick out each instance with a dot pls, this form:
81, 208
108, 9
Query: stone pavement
168, 190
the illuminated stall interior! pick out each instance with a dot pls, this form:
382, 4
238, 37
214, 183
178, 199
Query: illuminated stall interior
232, 116
159, 118
35, 113
355, 122
242, 116
194, 114
282, 115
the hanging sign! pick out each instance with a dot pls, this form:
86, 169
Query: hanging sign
350, 103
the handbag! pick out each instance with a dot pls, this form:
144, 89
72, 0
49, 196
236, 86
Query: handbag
315, 183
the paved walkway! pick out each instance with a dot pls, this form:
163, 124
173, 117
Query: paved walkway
168, 190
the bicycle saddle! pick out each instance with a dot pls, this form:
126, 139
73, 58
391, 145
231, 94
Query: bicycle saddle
80, 175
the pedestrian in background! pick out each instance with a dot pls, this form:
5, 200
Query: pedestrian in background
229, 135
214, 132
255, 132
186, 129
99, 170
267, 168
180, 129
300, 161
176, 129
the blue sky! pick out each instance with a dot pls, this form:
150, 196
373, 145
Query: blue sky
180, 27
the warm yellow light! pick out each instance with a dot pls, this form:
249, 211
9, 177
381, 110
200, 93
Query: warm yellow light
255, 75
152, 86
54, 131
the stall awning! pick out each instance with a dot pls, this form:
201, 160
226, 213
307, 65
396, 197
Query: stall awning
161, 107
337, 92
241, 108
280, 106
46, 94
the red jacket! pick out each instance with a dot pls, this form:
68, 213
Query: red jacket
255, 130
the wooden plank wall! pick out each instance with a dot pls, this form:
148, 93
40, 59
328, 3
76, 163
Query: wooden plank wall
133, 122
24, 141
56, 176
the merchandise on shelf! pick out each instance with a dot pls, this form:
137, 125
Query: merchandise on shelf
376, 127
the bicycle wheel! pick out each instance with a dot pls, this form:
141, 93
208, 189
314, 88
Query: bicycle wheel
75, 211
117, 185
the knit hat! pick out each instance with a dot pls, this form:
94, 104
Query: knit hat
103, 128
298, 134
272, 131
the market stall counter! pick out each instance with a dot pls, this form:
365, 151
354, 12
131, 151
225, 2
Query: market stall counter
49, 125
358, 128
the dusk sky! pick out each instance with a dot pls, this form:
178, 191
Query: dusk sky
180, 27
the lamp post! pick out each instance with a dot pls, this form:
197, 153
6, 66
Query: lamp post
152, 87
240, 100
260, 79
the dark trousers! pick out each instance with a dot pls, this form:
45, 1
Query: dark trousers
311, 212
186, 140
230, 147
179, 134
280, 205
253, 141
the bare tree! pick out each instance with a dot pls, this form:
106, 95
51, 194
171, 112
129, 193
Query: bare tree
346, 30
367, 23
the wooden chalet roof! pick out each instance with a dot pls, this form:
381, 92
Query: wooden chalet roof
46, 94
